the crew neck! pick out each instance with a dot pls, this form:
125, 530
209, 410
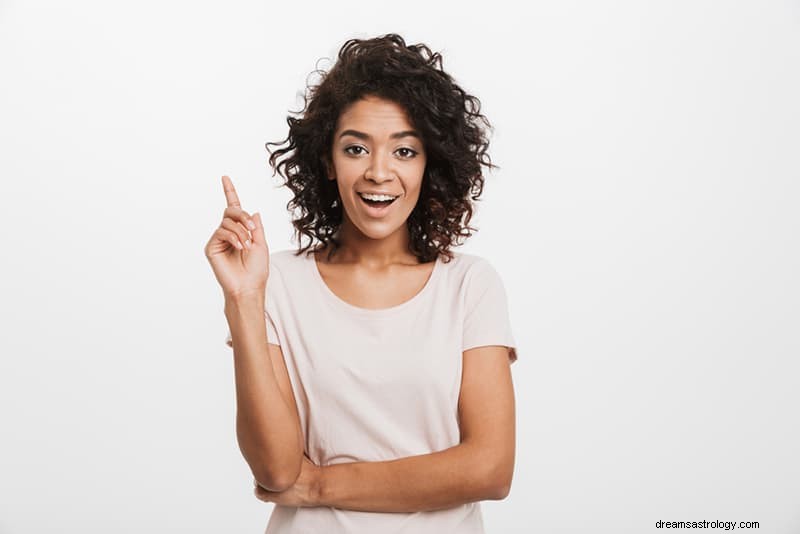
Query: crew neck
370, 312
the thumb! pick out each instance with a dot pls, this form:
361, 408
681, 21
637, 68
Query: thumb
258, 233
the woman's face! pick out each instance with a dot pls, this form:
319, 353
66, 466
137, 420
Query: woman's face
376, 150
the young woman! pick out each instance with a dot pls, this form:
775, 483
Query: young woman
373, 382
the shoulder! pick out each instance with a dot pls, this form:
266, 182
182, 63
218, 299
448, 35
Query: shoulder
281, 255
283, 270
471, 269
284, 260
287, 278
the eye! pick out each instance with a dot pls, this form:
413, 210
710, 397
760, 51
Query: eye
407, 152
353, 146
411, 154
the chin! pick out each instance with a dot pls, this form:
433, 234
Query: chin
378, 229
378, 234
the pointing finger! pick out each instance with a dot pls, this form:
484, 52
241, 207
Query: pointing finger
230, 192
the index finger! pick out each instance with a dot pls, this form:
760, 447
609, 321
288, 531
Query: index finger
230, 192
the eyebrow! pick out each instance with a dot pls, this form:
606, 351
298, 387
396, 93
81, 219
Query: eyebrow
396, 135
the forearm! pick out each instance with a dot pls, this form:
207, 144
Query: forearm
265, 427
435, 481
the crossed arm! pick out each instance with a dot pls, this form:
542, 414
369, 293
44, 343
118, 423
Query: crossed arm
479, 468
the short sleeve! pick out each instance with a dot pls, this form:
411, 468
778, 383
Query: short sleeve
486, 317
271, 310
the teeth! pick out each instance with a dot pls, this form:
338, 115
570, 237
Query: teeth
376, 197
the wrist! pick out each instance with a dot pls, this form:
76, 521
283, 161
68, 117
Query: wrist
245, 299
321, 487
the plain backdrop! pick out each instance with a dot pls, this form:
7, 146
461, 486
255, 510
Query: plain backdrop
644, 220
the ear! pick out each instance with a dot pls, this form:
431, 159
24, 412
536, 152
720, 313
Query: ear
330, 171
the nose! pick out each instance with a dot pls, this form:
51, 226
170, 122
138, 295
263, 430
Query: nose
380, 168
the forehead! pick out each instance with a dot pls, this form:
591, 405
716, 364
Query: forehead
374, 114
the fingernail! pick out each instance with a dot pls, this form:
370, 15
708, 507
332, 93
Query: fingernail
251, 225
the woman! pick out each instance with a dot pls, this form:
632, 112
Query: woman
373, 381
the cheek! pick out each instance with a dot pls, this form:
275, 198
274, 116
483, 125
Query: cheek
348, 169
415, 191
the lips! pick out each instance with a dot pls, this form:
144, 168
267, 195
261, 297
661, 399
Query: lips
376, 210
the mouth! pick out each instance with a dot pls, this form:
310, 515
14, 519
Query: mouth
377, 208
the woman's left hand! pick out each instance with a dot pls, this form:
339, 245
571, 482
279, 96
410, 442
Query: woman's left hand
305, 492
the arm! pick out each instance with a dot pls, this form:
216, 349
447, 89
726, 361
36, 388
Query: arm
479, 468
267, 422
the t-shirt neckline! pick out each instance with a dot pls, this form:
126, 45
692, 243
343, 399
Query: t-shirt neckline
368, 312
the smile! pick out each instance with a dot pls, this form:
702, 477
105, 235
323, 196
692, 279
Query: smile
376, 208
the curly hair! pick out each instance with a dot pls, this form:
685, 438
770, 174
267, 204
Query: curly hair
447, 117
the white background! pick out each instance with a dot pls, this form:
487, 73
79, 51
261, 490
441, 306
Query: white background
644, 220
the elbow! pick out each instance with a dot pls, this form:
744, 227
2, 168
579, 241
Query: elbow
499, 482
498, 492
273, 479
276, 482
275, 470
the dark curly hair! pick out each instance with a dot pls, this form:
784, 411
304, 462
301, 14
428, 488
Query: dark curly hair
447, 117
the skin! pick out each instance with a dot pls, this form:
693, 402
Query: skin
374, 268
267, 422
374, 253
375, 163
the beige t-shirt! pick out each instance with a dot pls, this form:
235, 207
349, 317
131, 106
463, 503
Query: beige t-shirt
377, 385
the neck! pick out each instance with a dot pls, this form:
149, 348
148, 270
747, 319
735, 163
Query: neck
357, 248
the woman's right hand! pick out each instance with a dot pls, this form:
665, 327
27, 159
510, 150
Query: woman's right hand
240, 262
